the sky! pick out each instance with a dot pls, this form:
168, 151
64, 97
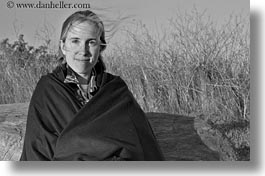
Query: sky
151, 12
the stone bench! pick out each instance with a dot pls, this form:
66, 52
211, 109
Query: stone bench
180, 137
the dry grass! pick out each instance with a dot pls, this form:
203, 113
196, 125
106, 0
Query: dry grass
20, 69
196, 68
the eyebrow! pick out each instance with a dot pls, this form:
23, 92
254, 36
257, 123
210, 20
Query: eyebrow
75, 38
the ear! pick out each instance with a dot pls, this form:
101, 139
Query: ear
62, 46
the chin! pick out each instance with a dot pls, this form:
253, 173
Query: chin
84, 69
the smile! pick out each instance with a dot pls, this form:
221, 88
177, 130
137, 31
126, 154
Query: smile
83, 60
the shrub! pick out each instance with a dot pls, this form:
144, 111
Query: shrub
21, 66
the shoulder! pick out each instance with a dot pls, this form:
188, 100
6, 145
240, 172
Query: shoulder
55, 77
113, 80
42, 88
114, 89
116, 85
48, 83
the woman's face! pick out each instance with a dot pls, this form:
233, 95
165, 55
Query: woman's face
82, 47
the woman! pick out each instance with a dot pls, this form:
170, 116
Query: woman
80, 112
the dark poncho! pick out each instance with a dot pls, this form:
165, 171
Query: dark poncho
111, 126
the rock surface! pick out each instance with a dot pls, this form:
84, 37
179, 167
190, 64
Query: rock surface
12, 130
181, 138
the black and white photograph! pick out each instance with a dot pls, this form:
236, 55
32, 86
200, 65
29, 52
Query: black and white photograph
120, 80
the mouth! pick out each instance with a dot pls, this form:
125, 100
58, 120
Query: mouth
83, 59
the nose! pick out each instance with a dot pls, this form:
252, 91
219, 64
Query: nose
85, 50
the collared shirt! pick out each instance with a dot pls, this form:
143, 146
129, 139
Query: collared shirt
83, 92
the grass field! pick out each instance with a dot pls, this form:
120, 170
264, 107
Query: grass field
196, 68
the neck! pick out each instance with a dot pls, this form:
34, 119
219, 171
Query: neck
83, 78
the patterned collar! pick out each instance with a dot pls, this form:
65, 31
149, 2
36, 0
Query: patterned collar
91, 86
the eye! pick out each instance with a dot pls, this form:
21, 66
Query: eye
92, 43
75, 41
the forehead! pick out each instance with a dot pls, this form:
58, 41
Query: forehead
84, 30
